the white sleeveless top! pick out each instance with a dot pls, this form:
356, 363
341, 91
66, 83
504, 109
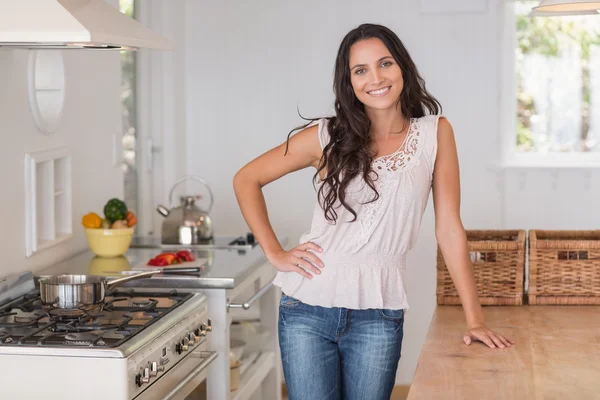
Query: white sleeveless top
365, 260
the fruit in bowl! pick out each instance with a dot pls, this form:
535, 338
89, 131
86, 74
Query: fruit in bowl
111, 236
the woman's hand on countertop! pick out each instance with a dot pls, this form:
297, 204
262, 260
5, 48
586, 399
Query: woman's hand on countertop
298, 259
482, 333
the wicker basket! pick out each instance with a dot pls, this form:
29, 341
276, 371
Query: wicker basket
498, 258
564, 267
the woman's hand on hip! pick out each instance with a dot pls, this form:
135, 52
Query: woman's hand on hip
298, 259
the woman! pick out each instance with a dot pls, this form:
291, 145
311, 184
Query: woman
342, 309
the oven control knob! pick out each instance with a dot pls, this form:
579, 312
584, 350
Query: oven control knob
184, 345
146, 375
209, 325
192, 339
178, 348
154, 369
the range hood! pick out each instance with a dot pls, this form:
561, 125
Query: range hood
72, 24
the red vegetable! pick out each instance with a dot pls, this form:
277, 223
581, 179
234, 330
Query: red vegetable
166, 259
185, 256
167, 256
158, 262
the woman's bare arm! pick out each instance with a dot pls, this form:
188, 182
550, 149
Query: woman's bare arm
304, 151
452, 237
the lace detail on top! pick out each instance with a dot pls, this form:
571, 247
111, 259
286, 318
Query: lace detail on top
387, 169
407, 156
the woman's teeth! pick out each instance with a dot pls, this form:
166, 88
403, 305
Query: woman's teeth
379, 92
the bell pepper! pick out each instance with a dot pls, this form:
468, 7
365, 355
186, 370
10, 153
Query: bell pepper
158, 262
169, 257
185, 256
91, 221
165, 259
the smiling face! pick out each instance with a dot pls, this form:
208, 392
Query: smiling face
375, 76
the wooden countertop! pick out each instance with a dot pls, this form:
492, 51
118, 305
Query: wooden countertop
556, 355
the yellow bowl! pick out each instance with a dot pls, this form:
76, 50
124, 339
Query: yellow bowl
109, 242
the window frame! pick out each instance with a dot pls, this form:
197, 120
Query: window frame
510, 157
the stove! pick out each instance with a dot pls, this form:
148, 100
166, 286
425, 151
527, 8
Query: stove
124, 315
230, 242
147, 344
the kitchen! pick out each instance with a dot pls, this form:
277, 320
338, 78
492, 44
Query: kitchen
230, 74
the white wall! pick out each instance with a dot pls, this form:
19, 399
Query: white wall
91, 116
249, 65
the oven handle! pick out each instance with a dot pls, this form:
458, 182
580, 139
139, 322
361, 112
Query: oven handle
210, 356
257, 296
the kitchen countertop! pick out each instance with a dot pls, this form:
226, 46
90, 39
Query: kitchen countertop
556, 355
219, 242
221, 269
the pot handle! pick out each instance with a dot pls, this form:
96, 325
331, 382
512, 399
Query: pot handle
118, 281
192, 178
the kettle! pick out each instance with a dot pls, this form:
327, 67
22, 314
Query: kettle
186, 223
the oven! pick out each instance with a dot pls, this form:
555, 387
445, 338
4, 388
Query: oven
180, 381
141, 345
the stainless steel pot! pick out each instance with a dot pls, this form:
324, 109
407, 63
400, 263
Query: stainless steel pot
82, 291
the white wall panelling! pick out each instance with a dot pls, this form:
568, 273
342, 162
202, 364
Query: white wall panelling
453, 7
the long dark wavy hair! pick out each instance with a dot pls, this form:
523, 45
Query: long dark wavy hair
348, 152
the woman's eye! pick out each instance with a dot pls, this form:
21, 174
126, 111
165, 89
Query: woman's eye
386, 63
359, 71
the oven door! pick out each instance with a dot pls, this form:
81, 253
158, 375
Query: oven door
178, 382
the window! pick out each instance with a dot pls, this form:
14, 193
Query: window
128, 107
556, 77
557, 64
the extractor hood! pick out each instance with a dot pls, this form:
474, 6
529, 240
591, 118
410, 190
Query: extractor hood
72, 24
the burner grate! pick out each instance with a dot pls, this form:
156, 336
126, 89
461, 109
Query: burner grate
124, 314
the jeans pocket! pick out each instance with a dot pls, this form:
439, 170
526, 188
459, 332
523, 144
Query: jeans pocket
392, 315
288, 301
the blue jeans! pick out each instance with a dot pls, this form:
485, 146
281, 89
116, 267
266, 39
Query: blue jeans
339, 353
